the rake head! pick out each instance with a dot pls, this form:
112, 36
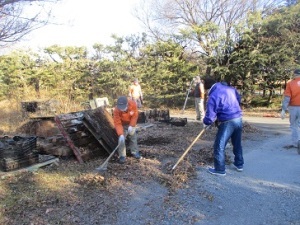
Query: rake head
102, 168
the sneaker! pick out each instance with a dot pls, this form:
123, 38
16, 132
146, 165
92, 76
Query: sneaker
137, 156
216, 172
238, 168
122, 159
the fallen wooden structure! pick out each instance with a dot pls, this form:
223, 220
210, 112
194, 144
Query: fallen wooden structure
79, 138
91, 133
86, 135
100, 123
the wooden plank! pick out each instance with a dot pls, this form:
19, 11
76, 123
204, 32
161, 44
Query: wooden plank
97, 136
101, 123
71, 116
68, 139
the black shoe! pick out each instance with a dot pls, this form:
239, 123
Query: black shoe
122, 159
238, 168
137, 156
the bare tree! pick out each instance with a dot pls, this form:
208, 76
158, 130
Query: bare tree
19, 17
209, 24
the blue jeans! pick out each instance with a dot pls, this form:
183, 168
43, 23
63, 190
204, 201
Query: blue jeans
231, 129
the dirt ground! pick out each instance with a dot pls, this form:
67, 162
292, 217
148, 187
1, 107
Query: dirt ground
71, 193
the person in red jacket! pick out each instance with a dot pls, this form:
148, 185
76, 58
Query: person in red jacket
125, 119
291, 102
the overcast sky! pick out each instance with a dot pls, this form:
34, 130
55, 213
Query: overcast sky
85, 23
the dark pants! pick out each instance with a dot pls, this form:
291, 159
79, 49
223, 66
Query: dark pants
132, 144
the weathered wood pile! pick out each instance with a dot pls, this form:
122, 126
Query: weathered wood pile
88, 133
91, 133
17, 152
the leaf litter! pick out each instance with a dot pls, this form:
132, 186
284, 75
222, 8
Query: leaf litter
73, 193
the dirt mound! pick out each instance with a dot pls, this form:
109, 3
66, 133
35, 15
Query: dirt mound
39, 127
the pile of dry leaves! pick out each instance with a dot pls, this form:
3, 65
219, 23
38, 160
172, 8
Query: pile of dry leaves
161, 146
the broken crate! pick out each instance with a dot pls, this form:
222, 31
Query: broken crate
88, 133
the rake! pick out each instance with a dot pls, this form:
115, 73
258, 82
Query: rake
187, 150
103, 167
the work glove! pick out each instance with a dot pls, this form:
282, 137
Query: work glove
131, 130
282, 114
121, 139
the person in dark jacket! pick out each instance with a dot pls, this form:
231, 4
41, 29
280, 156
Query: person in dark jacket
223, 105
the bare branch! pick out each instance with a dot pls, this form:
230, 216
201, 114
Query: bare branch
209, 23
20, 17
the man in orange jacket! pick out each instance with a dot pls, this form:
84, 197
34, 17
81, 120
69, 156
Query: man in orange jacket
125, 120
291, 102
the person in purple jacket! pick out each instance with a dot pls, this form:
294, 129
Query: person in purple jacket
223, 106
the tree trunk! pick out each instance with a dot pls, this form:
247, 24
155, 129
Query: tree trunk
247, 90
270, 97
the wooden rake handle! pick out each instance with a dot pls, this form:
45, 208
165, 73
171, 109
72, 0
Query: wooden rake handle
188, 149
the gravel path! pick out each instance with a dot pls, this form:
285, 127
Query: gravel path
266, 192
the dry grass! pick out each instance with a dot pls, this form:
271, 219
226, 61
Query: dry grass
12, 117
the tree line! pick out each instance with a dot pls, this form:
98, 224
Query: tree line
259, 46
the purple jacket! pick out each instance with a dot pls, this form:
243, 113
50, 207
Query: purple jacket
223, 104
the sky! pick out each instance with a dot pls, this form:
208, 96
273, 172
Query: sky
85, 23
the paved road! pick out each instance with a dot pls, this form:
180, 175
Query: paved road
267, 192
270, 124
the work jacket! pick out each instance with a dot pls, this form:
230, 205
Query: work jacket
293, 91
223, 104
129, 117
